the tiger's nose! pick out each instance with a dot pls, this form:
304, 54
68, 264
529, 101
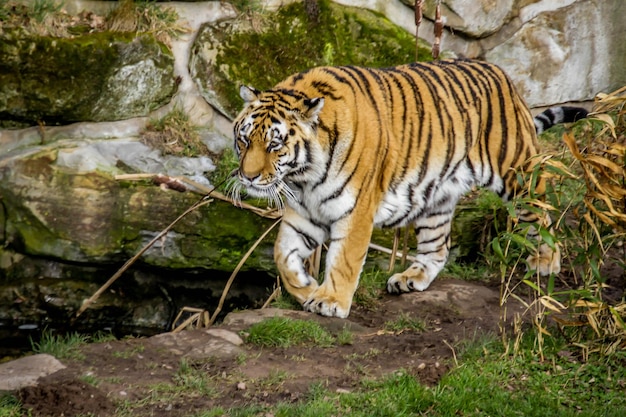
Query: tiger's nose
248, 176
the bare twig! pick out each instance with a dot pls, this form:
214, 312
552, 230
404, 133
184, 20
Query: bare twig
438, 29
132, 260
236, 271
88, 302
200, 189
388, 251
274, 295
418, 21
394, 249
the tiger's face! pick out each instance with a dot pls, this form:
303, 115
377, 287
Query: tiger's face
273, 139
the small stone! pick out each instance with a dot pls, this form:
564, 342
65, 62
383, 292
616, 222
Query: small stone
241, 386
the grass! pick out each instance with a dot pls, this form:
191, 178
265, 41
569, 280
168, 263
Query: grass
403, 323
60, 346
10, 406
285, 332
489, 381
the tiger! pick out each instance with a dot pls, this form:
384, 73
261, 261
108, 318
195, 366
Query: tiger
351, 148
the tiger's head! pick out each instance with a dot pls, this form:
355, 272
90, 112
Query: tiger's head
275, 141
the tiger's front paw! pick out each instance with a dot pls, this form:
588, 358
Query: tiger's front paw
413, 279
327, 304
547, 261
301, 293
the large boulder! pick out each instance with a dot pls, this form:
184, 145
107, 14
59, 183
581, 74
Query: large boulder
555, 51
262, 52
67, 224
98, 77
566, 54
90, 217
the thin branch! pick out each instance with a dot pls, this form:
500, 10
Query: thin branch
236, 271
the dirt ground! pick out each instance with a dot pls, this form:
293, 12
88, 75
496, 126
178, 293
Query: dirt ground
130, 371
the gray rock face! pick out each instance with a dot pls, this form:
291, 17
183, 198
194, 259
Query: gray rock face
555, 51
566, 54
25, 372
98, 77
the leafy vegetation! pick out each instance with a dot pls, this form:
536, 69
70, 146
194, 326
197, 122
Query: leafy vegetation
586, 198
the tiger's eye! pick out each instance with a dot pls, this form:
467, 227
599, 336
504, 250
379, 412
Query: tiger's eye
292, 132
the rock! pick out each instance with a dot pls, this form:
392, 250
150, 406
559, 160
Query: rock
99, 76
25, 372
476, 18
455, 298
262, 52
114, 220
551, 62
555, 51
200, 344
227, 335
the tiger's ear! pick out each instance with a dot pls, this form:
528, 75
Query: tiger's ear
248, 94
312, 108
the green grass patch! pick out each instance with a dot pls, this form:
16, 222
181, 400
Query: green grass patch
404, 322
10, 406
489, 381
60, 346
285, 332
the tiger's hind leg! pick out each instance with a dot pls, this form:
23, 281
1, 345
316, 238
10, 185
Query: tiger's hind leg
547, 260
433, 246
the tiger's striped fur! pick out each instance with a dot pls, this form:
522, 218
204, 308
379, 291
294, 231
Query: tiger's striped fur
356, 148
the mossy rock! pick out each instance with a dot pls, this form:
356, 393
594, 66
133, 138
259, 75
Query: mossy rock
94, 77
230, 53
90, 217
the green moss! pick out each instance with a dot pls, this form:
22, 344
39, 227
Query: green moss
292, 42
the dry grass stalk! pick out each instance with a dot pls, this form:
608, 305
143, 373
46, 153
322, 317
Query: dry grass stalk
278, 290
243, 260
199, 319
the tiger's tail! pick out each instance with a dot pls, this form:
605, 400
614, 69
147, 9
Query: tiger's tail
556, 115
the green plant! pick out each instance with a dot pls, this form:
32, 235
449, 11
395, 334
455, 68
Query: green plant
371, 285
193, 381
60, 346
403, 323
345, 337
247, 6
129, 353
226, 165
10, 406
285, 332
40, 9
91, 379
586, 198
